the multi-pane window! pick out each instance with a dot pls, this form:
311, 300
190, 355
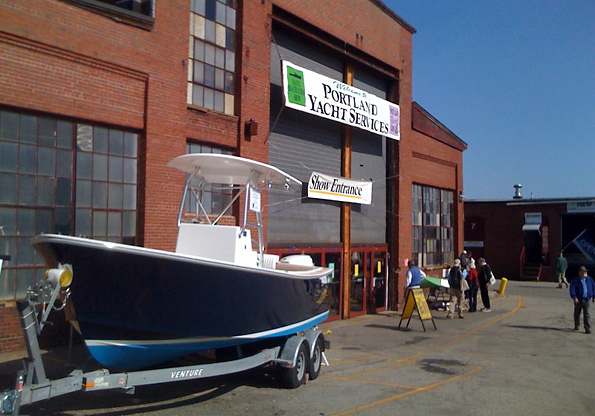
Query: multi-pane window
212, 49
59, 176
432, 225
417, 224
106, 183
215, 196
446, 226
142, 8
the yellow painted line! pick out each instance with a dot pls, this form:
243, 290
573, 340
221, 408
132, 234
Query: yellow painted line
352, 360
377, 370
431, 386
407, 393
379, 383
471, 332
515, 310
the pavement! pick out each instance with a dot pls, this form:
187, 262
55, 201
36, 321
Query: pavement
523, 358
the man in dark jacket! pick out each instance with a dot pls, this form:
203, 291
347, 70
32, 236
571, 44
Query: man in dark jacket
456, 294
582, 289
484, 275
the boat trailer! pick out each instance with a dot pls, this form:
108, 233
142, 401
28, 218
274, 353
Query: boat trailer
297, 356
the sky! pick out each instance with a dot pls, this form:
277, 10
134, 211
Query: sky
515, 80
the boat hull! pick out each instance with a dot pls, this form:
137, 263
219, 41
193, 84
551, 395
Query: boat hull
138, 307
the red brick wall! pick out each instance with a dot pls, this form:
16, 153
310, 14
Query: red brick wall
358, 22
504, 238
61, 59
11, 336
427, 161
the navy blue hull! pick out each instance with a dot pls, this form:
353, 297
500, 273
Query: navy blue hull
138, 307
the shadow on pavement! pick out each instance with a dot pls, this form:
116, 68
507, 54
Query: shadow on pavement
147, 399
546, 328
389, 327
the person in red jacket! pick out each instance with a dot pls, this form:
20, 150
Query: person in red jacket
473, 281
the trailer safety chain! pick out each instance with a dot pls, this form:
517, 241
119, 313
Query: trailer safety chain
65, 294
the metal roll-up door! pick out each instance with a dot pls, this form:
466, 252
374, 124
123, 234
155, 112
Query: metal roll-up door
300, 147
293, 49
299, 144
368, 163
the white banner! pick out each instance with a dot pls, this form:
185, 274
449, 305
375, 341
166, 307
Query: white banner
322, 186
321, 96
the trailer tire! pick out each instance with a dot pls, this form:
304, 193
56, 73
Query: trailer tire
295, 376
316, 360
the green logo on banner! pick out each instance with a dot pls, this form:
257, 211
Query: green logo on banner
296, 92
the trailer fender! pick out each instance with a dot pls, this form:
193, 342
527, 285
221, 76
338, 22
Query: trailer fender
312, 336
288, 356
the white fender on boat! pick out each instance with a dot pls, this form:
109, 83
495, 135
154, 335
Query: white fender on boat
60, 276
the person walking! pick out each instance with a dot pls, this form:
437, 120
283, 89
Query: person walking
414, 275
483, 276
561, 266
582, 289
473, 287
456, 294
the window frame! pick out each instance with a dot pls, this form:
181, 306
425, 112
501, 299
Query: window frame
44, 193
212, 57
432, 225
116, 13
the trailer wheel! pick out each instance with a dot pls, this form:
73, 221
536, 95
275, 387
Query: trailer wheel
316, 361
295, 376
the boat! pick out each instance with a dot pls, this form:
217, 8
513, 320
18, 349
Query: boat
138, 307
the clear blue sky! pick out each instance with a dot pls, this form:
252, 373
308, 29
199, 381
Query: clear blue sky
515, 79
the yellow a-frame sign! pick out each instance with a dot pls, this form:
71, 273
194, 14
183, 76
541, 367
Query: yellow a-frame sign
415, 299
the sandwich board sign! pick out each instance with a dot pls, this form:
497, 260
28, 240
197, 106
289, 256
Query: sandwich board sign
416, 300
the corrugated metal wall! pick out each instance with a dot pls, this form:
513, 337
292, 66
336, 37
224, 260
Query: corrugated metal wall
300, 143
368, 162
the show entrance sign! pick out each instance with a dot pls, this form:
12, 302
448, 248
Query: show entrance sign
416, 300
327, 187
321, 96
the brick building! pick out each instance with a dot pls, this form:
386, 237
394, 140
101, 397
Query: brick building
96, 96
521, 238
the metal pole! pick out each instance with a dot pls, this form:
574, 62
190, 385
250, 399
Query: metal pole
346, 209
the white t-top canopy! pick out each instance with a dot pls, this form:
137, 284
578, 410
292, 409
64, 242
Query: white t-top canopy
231, 170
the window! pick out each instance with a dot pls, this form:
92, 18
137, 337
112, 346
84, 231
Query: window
211, 69
144, 7
60, 176
216, 196
432, 223
128, 11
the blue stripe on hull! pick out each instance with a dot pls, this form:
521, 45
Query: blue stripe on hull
128, 355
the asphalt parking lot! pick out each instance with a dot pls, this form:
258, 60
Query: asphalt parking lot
523, 358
